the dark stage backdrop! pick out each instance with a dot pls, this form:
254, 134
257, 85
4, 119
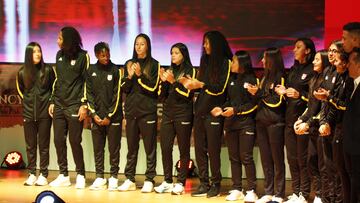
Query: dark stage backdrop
252, 25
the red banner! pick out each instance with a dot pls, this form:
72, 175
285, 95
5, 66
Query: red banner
10, 100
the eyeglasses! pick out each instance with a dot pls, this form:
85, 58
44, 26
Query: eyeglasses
334, 51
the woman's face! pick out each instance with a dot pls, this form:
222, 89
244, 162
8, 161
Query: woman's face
300, 51
60, 40
141, 47
176, 56
340, 64
332, 53
317, 63
235, 64
263, 61
36, 55
207, 46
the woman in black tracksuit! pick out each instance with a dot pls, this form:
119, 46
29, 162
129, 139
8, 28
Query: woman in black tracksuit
270, 122
34, 84
212, 80
177, 117
331, 125
69, 106
307, 123
239, 112
296, 102
141, 81
104, 103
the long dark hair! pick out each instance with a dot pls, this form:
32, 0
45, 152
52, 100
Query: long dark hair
309, 44
148, 58
245, 64
274, 65
220, 51
315, 82
30, 69
72, 43
186, 56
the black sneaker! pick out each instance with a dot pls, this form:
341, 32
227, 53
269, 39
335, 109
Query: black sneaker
214, 191
201, 191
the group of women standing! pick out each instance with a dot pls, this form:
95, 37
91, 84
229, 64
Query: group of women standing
229, 97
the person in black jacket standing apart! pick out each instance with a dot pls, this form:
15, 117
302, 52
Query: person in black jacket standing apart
212, 80
351, 126
177, 117
239, 111
141, 81
104, 102
69, 108
270, 123
296, 92
34, 84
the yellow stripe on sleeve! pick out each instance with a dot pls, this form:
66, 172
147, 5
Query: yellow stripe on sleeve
223, 90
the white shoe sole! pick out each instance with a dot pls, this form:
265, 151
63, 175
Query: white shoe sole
98, 188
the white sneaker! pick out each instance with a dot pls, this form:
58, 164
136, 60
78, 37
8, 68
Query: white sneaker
264, 199
317, 200
113, 184
178, 189
277, 199
30, 180
147, 187
61, 181
164, 187
41, 181
235, 195
127, 186
250, 196
80, 182
99, 184
301, 199
292, 199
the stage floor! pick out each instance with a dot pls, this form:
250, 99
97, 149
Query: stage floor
13, 190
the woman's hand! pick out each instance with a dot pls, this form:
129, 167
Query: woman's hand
321, 94
280, 89
130, 69
82, 113
51, 110
191, 83
292, 93
216, 111
161, 74
252, 89
97, 120
229, 111
325, 129
137, 69
169, 76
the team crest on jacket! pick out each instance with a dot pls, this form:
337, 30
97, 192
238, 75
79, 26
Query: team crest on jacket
303, 76
72, 62
109, 77
232, 83
93, 74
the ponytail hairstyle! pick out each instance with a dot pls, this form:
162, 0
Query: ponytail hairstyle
245, 65
274, 66
309, 44
186, 63
148, 58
